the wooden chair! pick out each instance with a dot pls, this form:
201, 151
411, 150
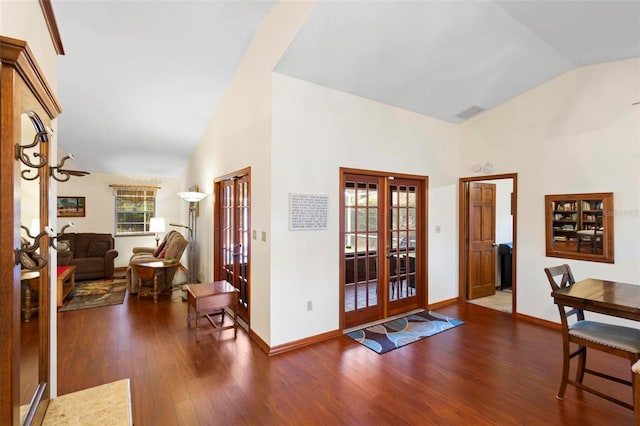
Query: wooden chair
635, 372
613, 339
396, 273
591, 238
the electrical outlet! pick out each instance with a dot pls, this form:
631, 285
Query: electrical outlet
437, 229
264, 236
253, 234
309, 305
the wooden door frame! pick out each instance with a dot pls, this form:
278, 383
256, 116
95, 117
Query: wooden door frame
217, 255
463, 232
423, 266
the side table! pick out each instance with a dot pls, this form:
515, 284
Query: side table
208, 299
66, 274
30, 282
149, 270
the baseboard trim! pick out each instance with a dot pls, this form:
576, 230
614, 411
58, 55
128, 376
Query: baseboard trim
258, 341
442, 303
297, 344
538, 321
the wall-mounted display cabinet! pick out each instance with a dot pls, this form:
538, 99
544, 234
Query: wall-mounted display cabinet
580, 226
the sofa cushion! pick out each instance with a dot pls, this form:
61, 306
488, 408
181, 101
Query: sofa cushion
69, 239
98, 248
83, 239
65, 258
89, 265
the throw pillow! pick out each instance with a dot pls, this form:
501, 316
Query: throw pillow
162, 254
98, 248
160, 248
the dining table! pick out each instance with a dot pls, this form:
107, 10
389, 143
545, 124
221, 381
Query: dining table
606, 297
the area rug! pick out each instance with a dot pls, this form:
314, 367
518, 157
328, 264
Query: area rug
96, 293
394, 334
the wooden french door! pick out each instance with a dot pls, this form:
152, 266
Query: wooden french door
361, 236
383, 247
232, 243
403, 245
481, 278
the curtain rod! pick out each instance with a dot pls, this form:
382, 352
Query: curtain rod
118, 186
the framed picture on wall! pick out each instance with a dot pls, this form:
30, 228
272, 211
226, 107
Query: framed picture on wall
71, 207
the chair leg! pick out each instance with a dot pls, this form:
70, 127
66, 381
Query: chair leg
582, 362
566, 359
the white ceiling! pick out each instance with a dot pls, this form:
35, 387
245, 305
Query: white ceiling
141, 79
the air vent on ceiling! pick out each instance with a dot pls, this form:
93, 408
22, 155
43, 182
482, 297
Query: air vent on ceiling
470, 112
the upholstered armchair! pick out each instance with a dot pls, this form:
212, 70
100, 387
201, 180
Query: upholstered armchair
171, 247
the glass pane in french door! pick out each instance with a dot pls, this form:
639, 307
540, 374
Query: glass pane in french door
403, 230
226, 230
361, 227
242, 244
234, 238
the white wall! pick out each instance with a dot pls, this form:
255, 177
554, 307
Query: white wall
577, 133
239, 136
315, 132
24, 20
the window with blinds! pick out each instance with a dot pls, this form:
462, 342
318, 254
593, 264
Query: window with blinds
135, 206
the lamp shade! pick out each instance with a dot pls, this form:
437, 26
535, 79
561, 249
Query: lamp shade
34, 229
157, 224
192, 196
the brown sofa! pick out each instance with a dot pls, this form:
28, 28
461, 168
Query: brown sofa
92, 254
172, 247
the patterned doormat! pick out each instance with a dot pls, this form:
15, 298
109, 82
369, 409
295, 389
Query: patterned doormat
396, 333
96, 293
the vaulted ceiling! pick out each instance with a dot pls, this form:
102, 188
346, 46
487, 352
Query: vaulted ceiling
140, 80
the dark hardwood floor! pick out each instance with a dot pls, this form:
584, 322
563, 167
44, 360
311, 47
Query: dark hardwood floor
493, 370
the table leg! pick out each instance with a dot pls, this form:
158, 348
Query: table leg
155, 288
27, 304
197, 322
235, 317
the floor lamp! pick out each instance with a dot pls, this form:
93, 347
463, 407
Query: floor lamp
193, 198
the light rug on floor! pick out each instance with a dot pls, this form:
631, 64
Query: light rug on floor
396, 333
96, 293
108, 404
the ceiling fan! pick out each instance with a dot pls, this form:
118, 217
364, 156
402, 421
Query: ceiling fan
63, 175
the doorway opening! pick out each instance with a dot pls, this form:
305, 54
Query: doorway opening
488, 241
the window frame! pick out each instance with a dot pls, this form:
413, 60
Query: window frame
148, 194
